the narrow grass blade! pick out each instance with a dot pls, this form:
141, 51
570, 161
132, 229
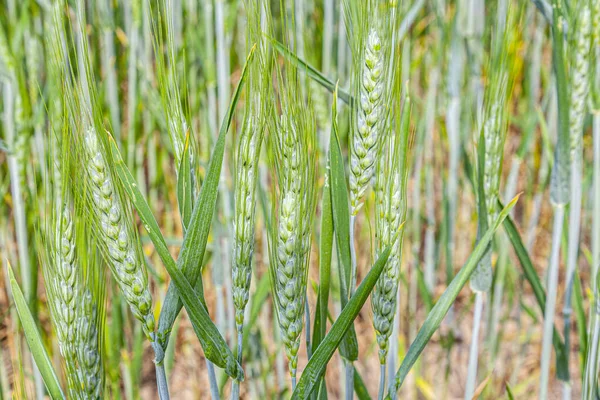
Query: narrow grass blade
509, 393
426, 296
341, 224
360, 388
42, 360
438, 312
184, 185
562, 365
325, 250
316, 365
214, 346
481, 387
581, 318
312, 72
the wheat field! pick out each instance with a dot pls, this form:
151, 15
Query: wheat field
299, 199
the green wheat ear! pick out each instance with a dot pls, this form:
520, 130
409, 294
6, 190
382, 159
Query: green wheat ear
249, 144
170, 92
365, 137
493, 136
116, 232
294, 155
103, 201
74, 282
390, 214
73, 279
76, 304
63, 283
580, 72
371, 25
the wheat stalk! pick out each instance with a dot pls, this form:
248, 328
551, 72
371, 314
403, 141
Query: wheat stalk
559, 188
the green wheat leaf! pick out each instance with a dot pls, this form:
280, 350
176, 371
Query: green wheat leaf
42, 360
341, 224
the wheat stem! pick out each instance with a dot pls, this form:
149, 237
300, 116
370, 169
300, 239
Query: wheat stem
382, 372
16, 191
307, 329
352, 255
559, 213
235, 389
212, 379
473, 349
161, 382
349, 388
349, 368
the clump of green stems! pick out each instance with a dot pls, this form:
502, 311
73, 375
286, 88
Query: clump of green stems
165, 89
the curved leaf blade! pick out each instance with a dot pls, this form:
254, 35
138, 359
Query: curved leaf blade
438, 312
325, 249
325, 254
312, 72
38, 351
341, 226
360, 388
